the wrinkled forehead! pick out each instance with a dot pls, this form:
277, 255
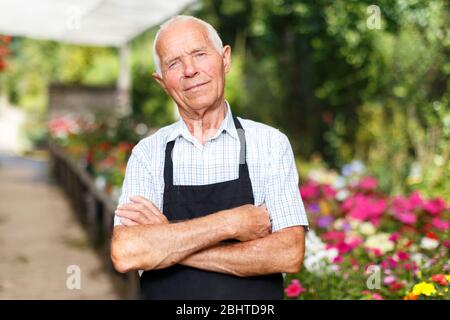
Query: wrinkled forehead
182, 37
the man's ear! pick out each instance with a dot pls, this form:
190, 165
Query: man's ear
226, 56
160, 80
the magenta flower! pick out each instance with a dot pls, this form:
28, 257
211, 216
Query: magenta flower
328, 191
364, 208
368, 183
334, 236
389, 263
406, 217
435, 206
407, 205
395, 236
402, 255
310, 190
354, 242
294, 289
440, 224
377, 296
415, 200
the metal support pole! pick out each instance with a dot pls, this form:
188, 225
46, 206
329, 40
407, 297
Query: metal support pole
124, 81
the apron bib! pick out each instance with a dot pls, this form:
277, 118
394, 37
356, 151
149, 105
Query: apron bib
188, 202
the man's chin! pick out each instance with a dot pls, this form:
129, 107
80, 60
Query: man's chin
201, 104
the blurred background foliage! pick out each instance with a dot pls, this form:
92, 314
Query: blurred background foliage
313, 68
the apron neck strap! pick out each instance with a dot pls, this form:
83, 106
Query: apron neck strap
241, 135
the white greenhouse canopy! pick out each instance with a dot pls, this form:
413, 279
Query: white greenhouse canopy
89, 22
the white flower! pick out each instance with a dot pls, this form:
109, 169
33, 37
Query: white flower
338, 224
367, 229
380, 241
317, 256
428, 243
354, 224
339, 183
419, 258
342, 194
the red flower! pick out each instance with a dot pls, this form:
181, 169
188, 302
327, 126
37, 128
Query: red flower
395, 286
440, 279
432, 235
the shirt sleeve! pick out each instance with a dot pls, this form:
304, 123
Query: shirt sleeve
283, 199
137, 181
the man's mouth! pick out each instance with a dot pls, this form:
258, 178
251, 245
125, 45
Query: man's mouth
195, 86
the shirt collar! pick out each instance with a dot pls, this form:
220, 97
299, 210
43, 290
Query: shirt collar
227, 125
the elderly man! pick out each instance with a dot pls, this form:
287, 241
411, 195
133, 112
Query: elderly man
210, 206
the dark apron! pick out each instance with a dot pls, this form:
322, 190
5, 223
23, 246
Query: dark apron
189, 202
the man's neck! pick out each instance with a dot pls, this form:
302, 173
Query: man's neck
205, 125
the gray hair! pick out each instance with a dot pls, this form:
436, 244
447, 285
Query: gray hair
212, 35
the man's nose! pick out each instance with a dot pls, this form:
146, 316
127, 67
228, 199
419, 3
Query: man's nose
190, 68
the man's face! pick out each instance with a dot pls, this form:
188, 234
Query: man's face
193, 72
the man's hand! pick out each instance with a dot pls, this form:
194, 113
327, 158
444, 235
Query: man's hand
140, 211
251, 222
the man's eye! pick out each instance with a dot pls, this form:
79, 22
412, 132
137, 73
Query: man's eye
200, 54
173, 65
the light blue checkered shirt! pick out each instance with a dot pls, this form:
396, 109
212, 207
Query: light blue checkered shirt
270, 161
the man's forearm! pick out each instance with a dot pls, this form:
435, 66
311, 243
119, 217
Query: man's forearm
162, 245
281, 251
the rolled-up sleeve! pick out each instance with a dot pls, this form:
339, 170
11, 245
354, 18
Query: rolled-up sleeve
282, 194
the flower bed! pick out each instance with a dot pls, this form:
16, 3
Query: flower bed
101, 145
366, 245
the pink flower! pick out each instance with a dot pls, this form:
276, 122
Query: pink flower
334, 236
368, 183
406, 217
328, 191
389, 280
435, 206
377, 296
354, 242
388, 263
415, 200
364, 208
309, 190
294, 289
440, 224
395, 236
446, 243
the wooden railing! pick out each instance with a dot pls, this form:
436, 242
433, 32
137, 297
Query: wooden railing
95, 211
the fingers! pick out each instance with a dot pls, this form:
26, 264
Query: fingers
149, 206
127, 222
134, 216
141, 211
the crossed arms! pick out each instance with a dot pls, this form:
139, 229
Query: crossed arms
147, 241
